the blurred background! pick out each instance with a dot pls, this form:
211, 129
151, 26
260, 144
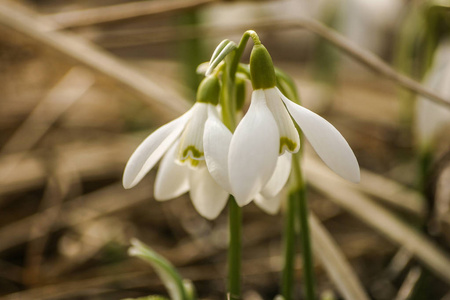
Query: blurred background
82, 83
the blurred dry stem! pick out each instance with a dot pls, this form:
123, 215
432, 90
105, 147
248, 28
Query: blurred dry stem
87, 160
409, 284
54, 193
82, 209
398, 263
58, 244
363, 56
59, 99
391, 192
93, 57
335, 263
136, 279
122, 11
381, 219
29, 24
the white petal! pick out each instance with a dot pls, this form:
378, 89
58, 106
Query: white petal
279, 176
191, 141
216, 142
329, 144
172, 180
208, 197
152, 149
253, 150
289, 138
270, 205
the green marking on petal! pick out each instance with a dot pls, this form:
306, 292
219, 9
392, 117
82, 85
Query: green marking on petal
191, 151
193, 162
191, 155
288, 143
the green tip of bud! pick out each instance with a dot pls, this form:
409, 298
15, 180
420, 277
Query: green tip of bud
261, 68
209, 90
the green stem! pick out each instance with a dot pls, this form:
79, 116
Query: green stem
228, 103
287, 281
227, 100
302, 209
240, 50
234, 250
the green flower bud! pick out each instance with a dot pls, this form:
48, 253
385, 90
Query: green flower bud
261, 68
209, 90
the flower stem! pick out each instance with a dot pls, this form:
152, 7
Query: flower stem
302, 209
308, 264
289, 248
228, 102
240, 50
234, 249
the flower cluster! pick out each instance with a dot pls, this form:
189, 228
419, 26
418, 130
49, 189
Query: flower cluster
201, 155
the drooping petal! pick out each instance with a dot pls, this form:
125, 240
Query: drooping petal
152, 149
172, 179
326, 140
270, 205
253, 150
216, 142
289, 138
191, 141
207, 196
279, 176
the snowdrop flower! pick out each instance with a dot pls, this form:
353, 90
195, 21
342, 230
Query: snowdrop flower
216, 141
180, 145
432, 118
267, 131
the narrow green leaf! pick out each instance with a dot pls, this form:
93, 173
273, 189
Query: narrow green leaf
216, 58
166, 272
219, 49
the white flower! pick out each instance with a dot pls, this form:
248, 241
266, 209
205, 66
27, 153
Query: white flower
217, 139
183, 144
267, 131
182, 168
432, 118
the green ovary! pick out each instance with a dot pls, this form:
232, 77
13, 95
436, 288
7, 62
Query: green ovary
288, 143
